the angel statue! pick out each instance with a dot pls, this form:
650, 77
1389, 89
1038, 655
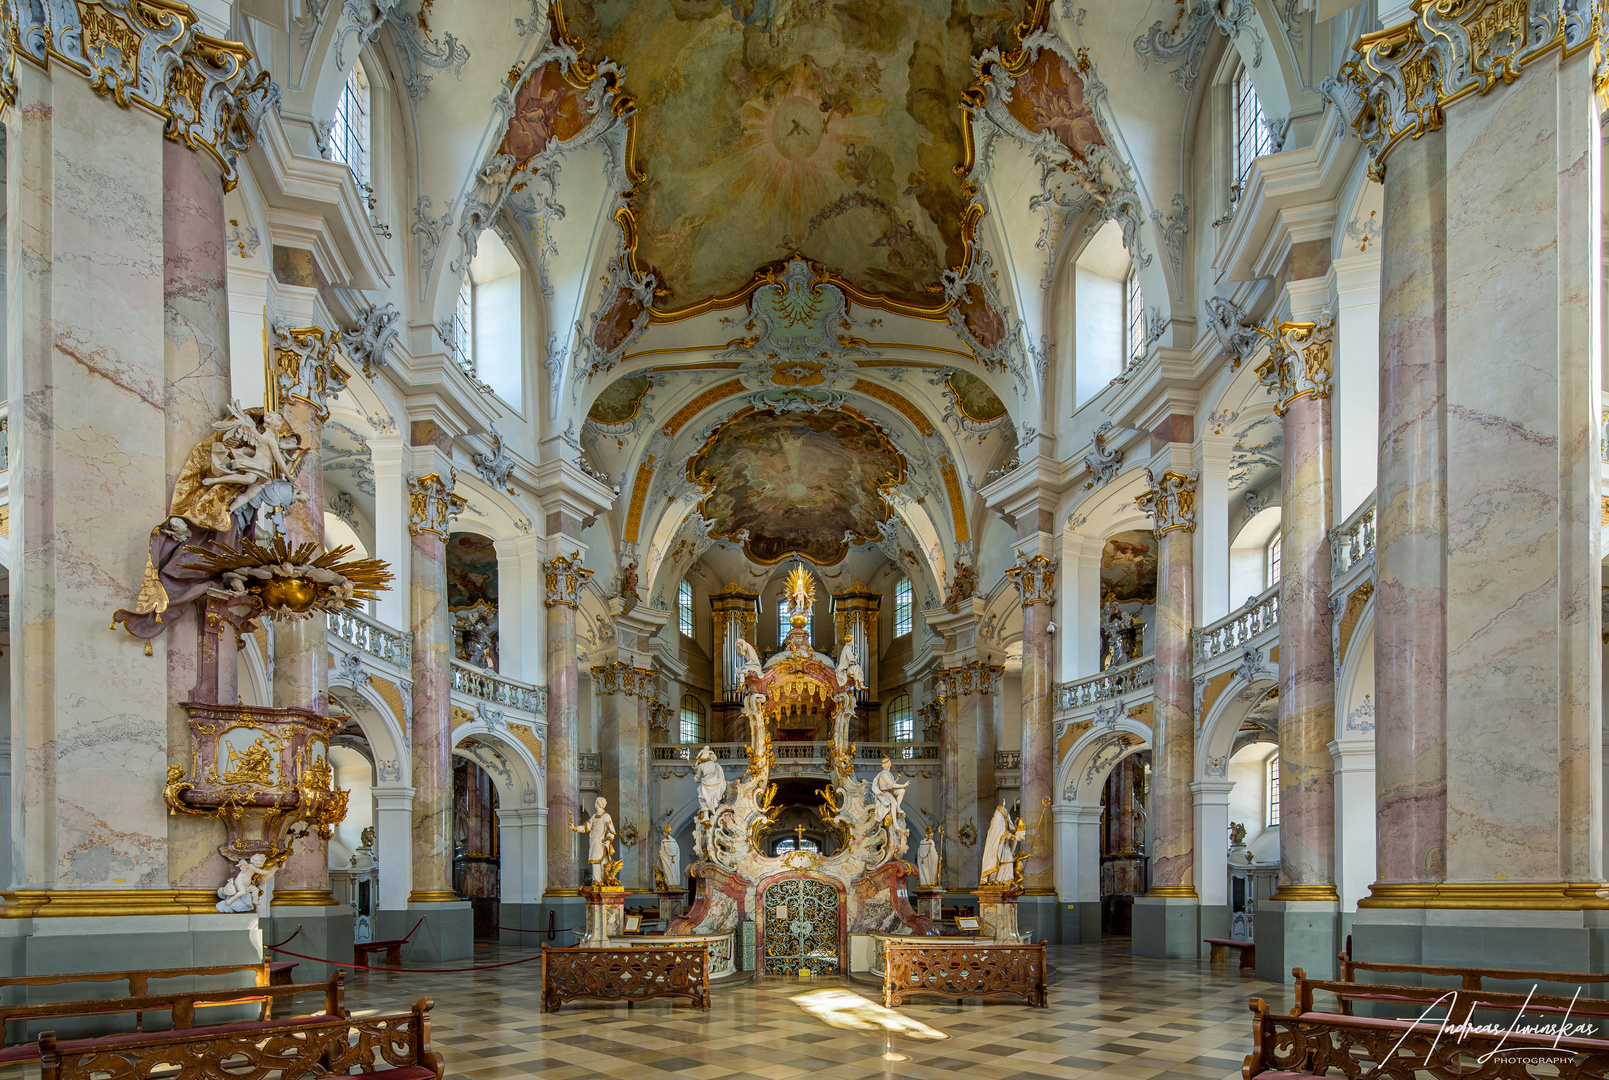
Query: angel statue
250, 888
748, 661
850, 672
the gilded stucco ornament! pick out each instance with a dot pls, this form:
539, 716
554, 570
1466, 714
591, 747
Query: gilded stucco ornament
1035, 578
1298, 364
303, 367
1170, 500
151, 54
1402, 78
565, 578
432, 504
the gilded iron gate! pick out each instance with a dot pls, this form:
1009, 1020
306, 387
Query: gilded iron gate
801, 927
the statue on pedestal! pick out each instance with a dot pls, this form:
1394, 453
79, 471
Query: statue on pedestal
711, 781
667, 863
927, 861
1000, 849
888, 801
600, 830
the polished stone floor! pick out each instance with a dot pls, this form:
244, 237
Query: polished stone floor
1110, 1015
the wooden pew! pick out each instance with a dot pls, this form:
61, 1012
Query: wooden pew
1470, 978
390, 947
963, 969
1457, 1003
1307, 1047
181, 1005
393, 1047
630, 975
1219, 951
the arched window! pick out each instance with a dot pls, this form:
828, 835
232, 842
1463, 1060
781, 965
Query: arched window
900, 725
692, 725
1252, 137
684, 607
496, 311
1133, 319
1273, 791
349, 131
902, 606
1272, 561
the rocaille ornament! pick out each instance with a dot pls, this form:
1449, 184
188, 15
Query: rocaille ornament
291, 583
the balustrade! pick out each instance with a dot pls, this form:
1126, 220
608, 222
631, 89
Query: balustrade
1256, 617
1352, 540
1008, 759
866, 753
490, 686
369, 635
1105, 685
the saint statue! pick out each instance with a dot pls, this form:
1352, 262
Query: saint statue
600, 830
711, 782
668, 863
1000, 849
754, 713
249, 889
927, 861
748, 661
888, 801
850, 674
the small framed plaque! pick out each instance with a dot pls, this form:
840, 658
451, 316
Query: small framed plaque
633, 924
967, 922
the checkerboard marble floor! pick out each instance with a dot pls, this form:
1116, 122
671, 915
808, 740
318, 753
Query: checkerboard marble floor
1110, 1015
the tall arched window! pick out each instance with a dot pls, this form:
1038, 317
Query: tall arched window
349, 131
692, 724
1271, 561
1252, 137
902, 607
684, 607
1133, 319
462, 343
495, 303
901, 726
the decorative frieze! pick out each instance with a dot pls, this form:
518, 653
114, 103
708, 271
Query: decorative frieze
432, 504
152, 54
1298, 365
565, 577
1170, 500
619, 677
1404, 77
302, 367
972, 677
1035, 578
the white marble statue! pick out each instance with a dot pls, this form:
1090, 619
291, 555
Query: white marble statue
888, 807
1000, 849
250, 888
600, 830
748, 660
927, 861
711, 781
668, 863
849, 669
250, 456
754, 713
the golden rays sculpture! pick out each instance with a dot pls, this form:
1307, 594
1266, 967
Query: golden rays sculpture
291, 583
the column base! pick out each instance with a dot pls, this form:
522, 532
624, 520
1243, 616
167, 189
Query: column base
531, 918
569, 917
1080, 923
1297, 933
1483, 937
324, 931
55, 946
1216, 920
1166, 926
1042, 915
448, 932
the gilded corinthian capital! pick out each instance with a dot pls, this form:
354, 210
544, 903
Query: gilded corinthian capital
1402, 78
432, 504
565, 577
1035, 578
1298, 365
1170, 500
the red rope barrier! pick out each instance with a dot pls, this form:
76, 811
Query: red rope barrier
406, 971
288, 940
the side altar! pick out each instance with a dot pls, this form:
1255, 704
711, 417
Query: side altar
805, 905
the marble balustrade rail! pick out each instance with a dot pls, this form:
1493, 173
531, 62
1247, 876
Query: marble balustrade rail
489, 686
1105, 685
1251, 622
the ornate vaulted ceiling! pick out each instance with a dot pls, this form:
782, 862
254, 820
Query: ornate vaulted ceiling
769, 127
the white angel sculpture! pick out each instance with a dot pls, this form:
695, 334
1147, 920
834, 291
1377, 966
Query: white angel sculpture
850, 672
246, 891
748, 660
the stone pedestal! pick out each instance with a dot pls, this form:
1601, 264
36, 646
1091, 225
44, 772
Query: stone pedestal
929, 901
997, 910
671, 903
606, 913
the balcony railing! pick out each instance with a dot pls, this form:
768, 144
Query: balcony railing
589, 763
800, 751
490, 686
1008, 759
1352, 540
1112, 683
371, 636
1259, 615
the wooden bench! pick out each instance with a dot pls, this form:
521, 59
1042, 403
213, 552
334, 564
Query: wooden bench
629, 974
391, 947
1469, 978
1219, 953
963, 969
395, 1047
1458, 1003
1310, 1045
180, 1005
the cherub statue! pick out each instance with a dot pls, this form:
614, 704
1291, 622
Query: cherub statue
250, 888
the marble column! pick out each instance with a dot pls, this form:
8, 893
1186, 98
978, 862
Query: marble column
624, 692
1034, 576
197, 391
449, 934
970, 696
564, 579
1165, 919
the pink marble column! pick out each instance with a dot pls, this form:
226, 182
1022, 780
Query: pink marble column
1410, 625
564, 579
1035, 583
958, 797
1306, 660
432, 720
1173, 825
196, 332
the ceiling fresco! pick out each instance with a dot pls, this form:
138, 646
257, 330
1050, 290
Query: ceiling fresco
1128, 567
769, 127
798, 482
471, 570
620, 401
